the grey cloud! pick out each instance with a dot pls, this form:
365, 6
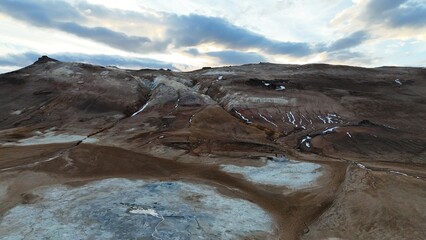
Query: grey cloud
40, 13
114, 60
20, 59
193, 51
349, 41
104, 35
112, 38
191, 30
396, 13
184, 31
380, 6
412, 16
237, 57
194, 29
24, 59
62, 16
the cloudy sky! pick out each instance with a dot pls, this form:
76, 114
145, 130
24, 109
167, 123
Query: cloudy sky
190, 34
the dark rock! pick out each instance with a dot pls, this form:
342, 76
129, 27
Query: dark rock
45, 59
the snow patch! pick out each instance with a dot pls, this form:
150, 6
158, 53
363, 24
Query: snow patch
242, 117
306, 141
399, 173
140, 110
329, 130
269, 121
293, 121
362, 166
397, 81
323, 120
17, 112
307, 138
330, 118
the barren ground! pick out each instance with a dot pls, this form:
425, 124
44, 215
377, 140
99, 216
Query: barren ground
291, 151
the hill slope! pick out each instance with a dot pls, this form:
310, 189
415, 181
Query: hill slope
355, 137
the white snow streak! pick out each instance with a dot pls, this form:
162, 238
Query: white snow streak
329, 130
399, 173
268, 120
397, 81
140, 110
323, 120
242, 117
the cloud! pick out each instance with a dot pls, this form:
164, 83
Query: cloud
117, 15
40, 13
237, 57
396, 13
193, 51
62, 16
113, 60
19, 59
193, 29
104, 35
411, 16
349, 41
381, 6
209, 38
27, 58
182, 30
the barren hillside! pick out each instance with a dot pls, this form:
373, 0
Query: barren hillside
258, 151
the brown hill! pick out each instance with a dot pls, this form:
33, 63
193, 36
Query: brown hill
365, 127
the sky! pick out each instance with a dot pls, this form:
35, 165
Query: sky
189, 34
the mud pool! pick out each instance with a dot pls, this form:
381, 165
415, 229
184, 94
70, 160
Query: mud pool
49, 138
135, 209
289, 173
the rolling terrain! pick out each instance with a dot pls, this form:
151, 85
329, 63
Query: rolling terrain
258, 151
